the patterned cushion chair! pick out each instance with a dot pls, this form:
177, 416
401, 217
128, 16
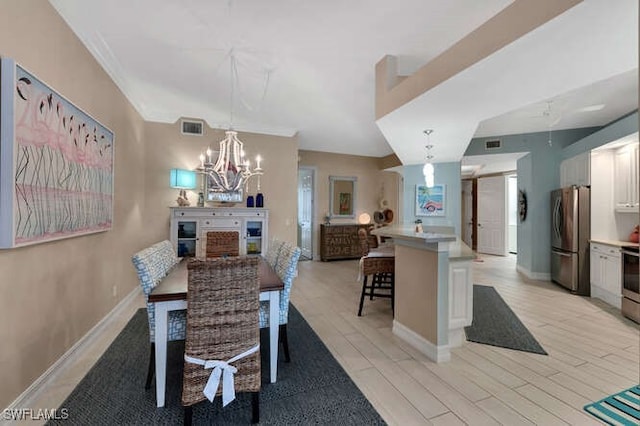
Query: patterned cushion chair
287, 269
274, 251
152, 265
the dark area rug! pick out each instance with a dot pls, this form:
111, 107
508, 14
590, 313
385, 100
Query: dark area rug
494, 323
311, 389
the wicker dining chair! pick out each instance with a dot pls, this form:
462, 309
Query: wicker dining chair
223, 243
222, 324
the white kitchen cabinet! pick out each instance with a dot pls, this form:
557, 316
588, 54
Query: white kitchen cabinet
626, 178
576, 170
606, 273
460, 300
189, 227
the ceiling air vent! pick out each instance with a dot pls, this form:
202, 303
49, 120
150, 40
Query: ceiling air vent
192, 127
495, 144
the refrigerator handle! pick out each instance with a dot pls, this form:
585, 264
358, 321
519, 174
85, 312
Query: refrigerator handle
559, 253
556, 216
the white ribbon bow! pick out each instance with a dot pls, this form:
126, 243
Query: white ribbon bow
220, 367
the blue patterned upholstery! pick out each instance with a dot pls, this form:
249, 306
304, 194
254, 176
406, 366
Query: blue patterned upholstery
274, 251
287, 269
152, 265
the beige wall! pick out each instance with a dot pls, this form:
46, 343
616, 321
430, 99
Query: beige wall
372, 182
167, 148
51, 294
416, 292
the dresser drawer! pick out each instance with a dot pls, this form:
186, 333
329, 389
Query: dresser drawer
220, 223
605, 249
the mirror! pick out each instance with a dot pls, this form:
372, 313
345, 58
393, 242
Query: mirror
342, 196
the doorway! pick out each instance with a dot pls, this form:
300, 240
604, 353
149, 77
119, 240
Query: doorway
306, 190
492, 215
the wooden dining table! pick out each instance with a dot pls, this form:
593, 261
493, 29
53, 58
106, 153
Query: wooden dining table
171, 294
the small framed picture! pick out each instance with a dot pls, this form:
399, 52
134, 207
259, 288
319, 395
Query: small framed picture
430, 201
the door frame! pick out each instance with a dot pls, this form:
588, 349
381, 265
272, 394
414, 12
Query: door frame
314, 212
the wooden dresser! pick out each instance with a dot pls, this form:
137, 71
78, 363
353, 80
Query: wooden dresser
340, 241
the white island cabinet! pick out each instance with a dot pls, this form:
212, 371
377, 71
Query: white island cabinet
433, 290
189, 227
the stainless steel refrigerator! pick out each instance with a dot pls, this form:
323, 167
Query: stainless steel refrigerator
570, 233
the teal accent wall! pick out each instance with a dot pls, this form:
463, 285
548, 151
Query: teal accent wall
614, 131
538, 174
525, 230
445, 173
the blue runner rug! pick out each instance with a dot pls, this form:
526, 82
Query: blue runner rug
619, 409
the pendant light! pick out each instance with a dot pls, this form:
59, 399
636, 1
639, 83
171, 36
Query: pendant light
428, 170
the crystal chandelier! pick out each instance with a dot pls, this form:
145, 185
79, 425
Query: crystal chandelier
231, 171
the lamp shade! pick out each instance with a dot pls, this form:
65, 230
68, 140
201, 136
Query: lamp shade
183, 179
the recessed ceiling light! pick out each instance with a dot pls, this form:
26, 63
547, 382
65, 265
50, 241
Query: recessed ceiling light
591, 108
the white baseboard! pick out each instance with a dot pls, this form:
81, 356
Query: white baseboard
433, 352
33, 392
538, 276
457, 337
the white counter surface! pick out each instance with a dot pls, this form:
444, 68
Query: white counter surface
615, 243
457, 249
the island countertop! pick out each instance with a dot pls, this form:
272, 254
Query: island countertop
457, 249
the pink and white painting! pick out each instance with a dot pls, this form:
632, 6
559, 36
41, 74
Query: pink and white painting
56, 164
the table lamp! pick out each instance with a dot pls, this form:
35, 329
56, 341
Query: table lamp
182, 179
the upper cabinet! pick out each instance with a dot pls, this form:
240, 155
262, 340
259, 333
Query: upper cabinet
626, 178
576, 170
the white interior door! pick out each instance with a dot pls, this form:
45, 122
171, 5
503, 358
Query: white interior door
305, 212
467, 212
492, 212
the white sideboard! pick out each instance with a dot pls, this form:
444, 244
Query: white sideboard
189, 227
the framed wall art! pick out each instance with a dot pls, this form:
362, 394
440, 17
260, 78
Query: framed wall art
56, 164
430, 201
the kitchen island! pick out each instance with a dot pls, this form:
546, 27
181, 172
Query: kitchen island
433, 289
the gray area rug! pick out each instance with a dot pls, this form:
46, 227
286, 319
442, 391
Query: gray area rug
311, 389
494, 323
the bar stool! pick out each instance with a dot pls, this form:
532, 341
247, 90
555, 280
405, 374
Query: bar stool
381, 266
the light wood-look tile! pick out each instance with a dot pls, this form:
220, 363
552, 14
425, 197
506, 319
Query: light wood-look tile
593, 352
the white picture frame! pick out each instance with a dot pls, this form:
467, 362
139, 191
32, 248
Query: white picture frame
431, 201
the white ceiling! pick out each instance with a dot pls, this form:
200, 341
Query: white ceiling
308, 68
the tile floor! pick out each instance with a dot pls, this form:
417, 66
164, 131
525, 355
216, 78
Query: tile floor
593, 352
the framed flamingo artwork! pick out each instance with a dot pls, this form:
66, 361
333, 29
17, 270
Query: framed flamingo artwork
56, 164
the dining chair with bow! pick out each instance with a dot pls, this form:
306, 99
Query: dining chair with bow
222, 346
